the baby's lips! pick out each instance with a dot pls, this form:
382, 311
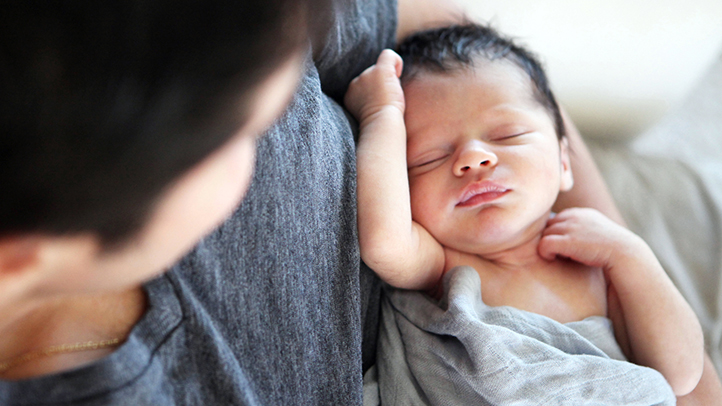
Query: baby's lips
489, 189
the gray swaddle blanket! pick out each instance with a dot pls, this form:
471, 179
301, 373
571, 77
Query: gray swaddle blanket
461, 352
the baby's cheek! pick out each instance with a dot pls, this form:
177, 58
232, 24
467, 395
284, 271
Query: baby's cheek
426, 211
422, 200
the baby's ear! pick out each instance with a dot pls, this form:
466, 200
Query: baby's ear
567, 180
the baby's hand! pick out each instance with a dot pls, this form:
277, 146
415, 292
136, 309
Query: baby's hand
376, 88
587, 236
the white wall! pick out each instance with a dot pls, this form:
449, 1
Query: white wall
616, 65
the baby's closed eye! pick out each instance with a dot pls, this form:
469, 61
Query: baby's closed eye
510, 136
427, 162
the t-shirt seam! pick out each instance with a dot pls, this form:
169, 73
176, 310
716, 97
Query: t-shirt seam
140, 374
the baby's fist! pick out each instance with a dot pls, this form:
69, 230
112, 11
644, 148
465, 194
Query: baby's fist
376, 87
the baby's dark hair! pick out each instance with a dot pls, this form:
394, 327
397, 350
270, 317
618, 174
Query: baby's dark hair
449, 48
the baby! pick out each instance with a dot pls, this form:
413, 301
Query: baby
460, 162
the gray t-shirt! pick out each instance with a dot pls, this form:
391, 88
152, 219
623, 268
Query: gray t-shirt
272, 307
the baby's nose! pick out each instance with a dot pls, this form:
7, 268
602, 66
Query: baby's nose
474, 158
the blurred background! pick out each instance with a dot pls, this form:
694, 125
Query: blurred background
617, 66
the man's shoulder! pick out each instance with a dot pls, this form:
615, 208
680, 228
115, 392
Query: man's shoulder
360, 31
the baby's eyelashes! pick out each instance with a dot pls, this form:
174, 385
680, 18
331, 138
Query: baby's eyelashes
509, 137
427, 160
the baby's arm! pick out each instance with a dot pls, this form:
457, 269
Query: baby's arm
398, 249
661, 329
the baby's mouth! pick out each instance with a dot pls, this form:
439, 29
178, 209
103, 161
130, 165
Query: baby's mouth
480, 193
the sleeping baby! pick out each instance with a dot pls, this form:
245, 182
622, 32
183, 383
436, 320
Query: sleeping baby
460, 160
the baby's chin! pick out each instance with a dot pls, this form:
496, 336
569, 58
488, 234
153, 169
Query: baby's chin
491, 245
479, 248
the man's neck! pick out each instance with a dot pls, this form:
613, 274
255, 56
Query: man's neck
40, 324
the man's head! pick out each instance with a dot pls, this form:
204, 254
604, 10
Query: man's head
103, 104
129, 127
462, 46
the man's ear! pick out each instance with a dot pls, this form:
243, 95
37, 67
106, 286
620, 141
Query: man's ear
20, 264
33, 263
18, 254
567, 180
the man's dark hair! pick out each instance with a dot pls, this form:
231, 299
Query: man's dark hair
104, 103
449, 48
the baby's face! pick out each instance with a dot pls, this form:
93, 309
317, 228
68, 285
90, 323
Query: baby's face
485, 163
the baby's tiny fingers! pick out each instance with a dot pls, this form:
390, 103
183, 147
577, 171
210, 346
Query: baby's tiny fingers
559, 228
550, 246
389, 57
559, 218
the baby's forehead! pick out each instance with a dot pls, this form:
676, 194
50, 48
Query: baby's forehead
500, 77
483, 68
